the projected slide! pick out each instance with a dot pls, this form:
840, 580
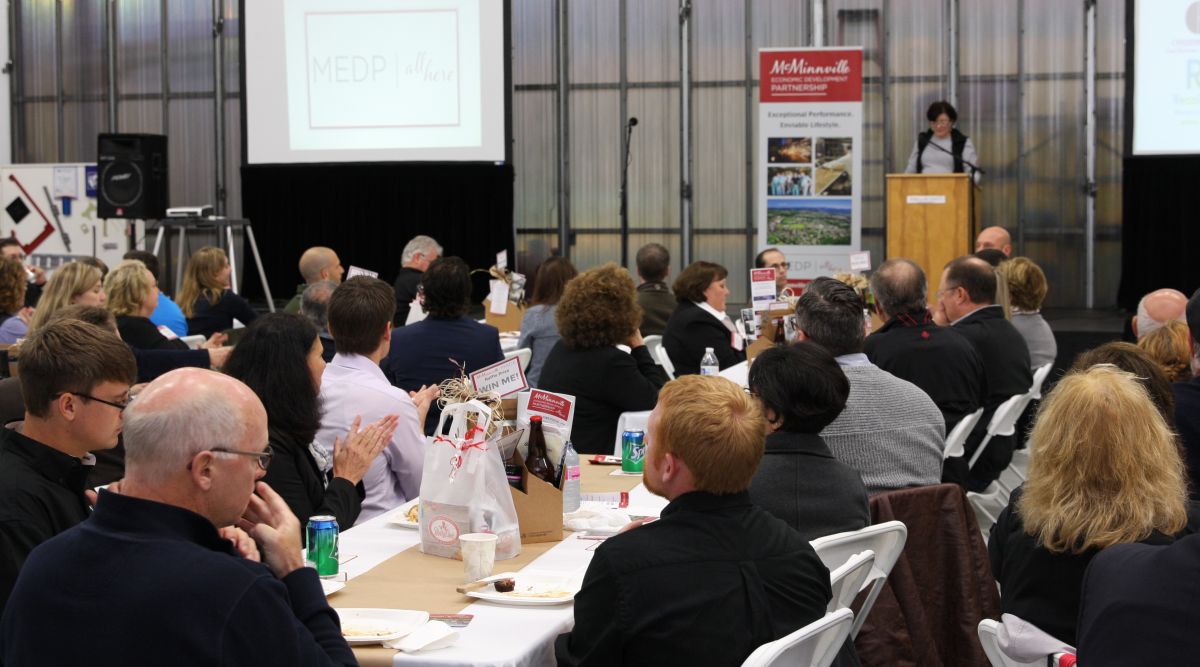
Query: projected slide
1166, 99
375, 80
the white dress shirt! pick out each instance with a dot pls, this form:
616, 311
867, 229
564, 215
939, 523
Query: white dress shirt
353, 385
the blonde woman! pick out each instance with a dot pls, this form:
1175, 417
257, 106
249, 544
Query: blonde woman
132, 297
1027, 289
1104, 470
205, 298
71, 284
1170, 348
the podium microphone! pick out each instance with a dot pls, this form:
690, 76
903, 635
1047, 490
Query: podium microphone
632, 121
624, 213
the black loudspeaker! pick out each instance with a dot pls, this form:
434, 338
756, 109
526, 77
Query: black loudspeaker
132, 170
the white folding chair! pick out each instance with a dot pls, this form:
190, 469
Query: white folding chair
522, 353
1039, 376
664, 360
989, 637
629, 420
814, 645
885, 539
987, 506
193, 342
652, 344
960, 432
1003, 423
847, 580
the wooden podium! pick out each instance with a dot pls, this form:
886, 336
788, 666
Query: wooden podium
932, 219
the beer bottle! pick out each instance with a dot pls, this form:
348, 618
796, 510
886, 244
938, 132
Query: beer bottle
537, 459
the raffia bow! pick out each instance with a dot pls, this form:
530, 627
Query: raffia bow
460, 390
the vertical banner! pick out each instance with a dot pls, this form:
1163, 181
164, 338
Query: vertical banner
810, 133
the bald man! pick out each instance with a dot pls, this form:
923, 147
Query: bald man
182, 528
316, 264
1157, 309
994, 237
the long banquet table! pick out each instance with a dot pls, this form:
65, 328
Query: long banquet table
386, 569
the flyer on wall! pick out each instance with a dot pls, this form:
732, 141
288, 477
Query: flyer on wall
810, 157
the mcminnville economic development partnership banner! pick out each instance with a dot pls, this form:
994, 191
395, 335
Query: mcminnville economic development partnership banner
810, 149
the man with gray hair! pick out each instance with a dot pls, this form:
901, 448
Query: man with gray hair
418, 254
316, 264
170, 569
912, 347
891, 432
314, 304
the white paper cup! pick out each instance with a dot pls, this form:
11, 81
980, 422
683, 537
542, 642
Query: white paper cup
478, 554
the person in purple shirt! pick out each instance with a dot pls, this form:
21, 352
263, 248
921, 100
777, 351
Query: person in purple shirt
360, 320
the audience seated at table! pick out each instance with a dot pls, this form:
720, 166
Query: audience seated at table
801, 389
166, 313
1026, 290
354, 388
14, 315
72, 283
1104, 469
598, 311
700, 322
167, 577
445, 343
653, 262
716, 576
891, 432
279, 358
205, 298
911, 346
132, 296
314, 304
418, 254
1170, 347
316, 264
75, 380
539, 332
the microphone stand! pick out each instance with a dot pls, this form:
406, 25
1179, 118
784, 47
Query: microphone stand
974, 168
625, 192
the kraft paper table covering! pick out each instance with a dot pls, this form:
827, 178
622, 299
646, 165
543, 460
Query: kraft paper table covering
409, 579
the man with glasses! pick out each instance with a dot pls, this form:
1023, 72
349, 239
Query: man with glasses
75, 378
170, 565
772, 258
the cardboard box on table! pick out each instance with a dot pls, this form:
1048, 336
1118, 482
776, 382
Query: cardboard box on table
509, 321
539, 506
771, 320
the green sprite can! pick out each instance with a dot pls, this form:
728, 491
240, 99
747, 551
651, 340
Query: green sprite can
321, 541
633, 451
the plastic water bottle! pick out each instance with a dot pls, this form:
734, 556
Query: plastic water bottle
570, 488
708, 363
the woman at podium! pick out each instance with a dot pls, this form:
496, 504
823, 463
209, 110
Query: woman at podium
942, 149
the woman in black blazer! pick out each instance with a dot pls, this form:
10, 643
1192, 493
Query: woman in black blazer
279, 357
599, 310
205, 298
700, 290
132, 296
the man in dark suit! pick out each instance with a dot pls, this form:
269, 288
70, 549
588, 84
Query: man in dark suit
716, 576
912, 347
418, 254
968, 300
653, 295
1138, 605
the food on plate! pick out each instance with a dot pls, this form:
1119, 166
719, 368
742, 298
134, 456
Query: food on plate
504, 585
412, 513
540, 593
364, 631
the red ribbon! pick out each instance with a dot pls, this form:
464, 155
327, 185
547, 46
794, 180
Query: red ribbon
456, 461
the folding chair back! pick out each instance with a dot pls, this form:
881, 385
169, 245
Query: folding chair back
886, 540
814, 645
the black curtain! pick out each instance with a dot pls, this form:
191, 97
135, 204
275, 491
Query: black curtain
1160, 227
367, 212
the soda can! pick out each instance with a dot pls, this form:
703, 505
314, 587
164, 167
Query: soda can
633, 450
321, 541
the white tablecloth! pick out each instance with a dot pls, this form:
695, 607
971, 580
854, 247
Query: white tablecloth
739, 373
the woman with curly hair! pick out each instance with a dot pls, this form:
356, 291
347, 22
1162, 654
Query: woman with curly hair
1104, 469
446, 342
700, 322
205, 298
598, 311
13, 282
1170, 348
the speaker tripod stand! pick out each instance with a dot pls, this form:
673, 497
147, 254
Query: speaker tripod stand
224, 227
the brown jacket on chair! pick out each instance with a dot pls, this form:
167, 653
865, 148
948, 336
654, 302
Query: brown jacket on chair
939, 589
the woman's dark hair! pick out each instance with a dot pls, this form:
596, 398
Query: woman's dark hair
696, 278
802, 384
941, 107
272, 359
1131, 358
447, 288
992, 256
550, 279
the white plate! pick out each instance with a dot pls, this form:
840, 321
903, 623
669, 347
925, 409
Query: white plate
531, 582
331, 586
398, 517
384, 625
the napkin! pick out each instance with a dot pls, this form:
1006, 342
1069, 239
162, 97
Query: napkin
429, 637
595, 516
